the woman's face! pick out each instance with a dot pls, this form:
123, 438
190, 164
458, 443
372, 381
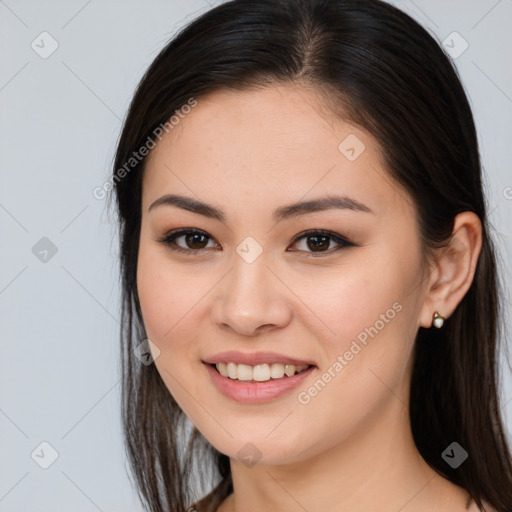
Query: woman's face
245, 285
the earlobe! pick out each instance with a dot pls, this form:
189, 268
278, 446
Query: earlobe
454, 270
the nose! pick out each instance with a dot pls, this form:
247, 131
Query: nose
251, 299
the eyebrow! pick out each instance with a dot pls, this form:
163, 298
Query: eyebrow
280, 214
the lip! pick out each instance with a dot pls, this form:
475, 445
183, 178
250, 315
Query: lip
255, 358
256, 392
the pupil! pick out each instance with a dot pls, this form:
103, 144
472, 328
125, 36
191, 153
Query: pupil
195, 238
319, 242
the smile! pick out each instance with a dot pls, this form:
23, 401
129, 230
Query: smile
260, 372
251, 390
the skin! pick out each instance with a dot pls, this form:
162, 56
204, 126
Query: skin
248, 153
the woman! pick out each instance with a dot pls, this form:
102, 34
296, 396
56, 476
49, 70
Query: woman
306, 260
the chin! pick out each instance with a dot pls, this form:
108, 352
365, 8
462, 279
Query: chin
257, 449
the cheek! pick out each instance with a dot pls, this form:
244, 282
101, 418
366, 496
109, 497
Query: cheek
172, 300
367, 357
166, 295
371, 313
365, 301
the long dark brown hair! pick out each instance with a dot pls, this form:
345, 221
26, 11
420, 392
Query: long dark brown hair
382, 71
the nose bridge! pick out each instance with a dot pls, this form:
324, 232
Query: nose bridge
249, 281
251, 297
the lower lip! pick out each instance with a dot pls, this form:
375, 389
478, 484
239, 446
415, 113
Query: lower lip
251, 392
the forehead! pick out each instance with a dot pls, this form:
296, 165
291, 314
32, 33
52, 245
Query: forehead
273, 145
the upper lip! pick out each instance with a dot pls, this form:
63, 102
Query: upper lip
254, 358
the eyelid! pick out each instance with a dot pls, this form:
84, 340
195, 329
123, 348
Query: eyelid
343, 242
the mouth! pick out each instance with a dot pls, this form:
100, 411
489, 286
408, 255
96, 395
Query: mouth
260, 372
259, 383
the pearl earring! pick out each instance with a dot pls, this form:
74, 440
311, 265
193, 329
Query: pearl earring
438, 320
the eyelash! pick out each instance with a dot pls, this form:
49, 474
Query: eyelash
170, 238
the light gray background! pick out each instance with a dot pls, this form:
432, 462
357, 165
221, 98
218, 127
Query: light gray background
60, 119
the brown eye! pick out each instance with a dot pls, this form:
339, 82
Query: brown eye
194, 240
318, 242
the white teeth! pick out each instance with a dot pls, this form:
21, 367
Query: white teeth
244, 372
223, 369
277, 371
289, 369
260, 372
232, 369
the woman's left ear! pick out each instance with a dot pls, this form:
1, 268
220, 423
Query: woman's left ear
453, 270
